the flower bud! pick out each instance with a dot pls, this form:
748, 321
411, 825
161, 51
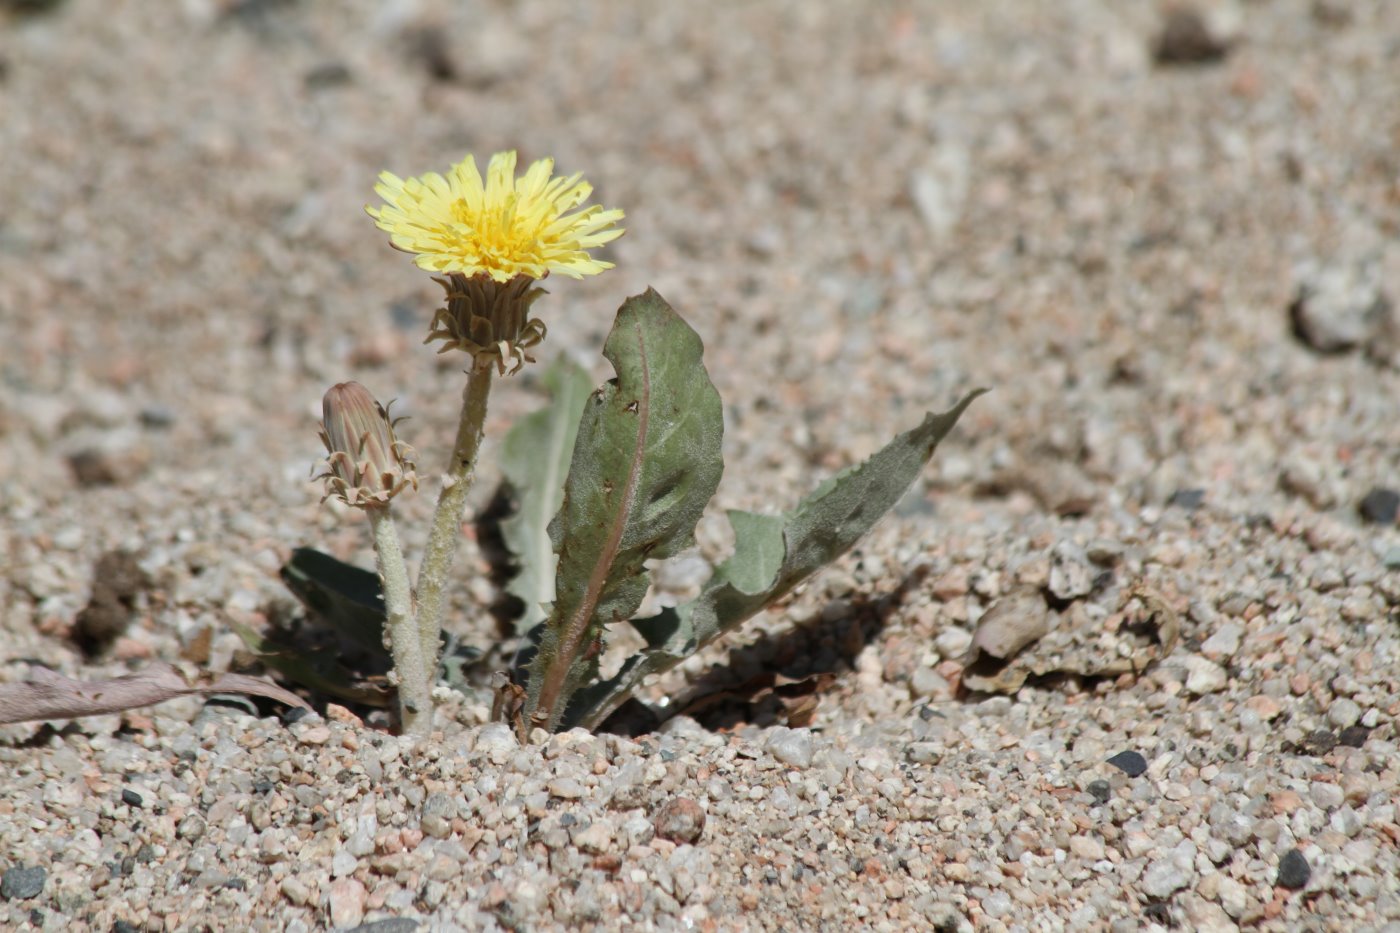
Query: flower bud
365, 465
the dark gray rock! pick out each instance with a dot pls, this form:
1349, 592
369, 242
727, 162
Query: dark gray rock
22, 882
1130, 763
1293, 871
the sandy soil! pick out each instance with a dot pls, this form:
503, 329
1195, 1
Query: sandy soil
1170, 246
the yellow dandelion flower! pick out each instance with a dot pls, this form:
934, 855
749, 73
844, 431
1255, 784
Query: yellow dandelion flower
504, 227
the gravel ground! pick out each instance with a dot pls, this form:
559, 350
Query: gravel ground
1168, 241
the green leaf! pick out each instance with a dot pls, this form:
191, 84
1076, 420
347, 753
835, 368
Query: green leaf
772, 555
646, 461
535, 459
345, 597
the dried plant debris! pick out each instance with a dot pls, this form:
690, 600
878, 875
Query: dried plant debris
47, 694
1146, 630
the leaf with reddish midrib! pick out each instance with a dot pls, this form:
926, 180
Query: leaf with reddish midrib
772, 555
646, 461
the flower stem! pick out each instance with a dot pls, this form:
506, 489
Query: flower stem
415, 684
447, 519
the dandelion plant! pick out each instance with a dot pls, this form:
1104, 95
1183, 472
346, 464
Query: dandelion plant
606, 482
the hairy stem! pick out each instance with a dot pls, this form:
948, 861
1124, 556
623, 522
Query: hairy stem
447, 519
415, 681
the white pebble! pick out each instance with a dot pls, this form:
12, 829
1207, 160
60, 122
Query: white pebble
1343, 713
791, 746
1204, 676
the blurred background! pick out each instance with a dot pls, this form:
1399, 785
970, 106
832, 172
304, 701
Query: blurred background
1164, 234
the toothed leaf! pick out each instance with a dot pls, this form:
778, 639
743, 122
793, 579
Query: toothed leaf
646, 461
772, 555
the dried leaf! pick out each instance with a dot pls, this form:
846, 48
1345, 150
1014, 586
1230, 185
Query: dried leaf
47, 694
1076, 652
1010, 624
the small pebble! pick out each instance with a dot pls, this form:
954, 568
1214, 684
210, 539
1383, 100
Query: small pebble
1203, 676
1353, 736
346, 901
566, 788
1071, 573
1318, 743
679, 819
1130, 763
131, 798
1293, 870
1188, 38
1336, 307
1326, 796
22, 882
1166, 876
1343, 713
1380, 506
495, 736
1101, 790
1188, 499
953, 642
791, 746
1225, 643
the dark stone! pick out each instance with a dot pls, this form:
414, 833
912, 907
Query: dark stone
21, 883
388, 925
1293, 871
117, 583
146, 854
1354, 736
262, 786
1188, 499
157, 417
31, 7
1160, 912
93, 467
1317, 743
680, 820
125, 926
1100, 791
1380, 506
926, 713
1130, 763
1186, 39
131, 798
327, 75
293, 714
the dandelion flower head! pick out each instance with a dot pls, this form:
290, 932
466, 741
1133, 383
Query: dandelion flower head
503, 227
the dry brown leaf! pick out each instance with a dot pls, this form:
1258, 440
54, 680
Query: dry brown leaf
48, 694
1077, 652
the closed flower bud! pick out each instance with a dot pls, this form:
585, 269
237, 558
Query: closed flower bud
365, 465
